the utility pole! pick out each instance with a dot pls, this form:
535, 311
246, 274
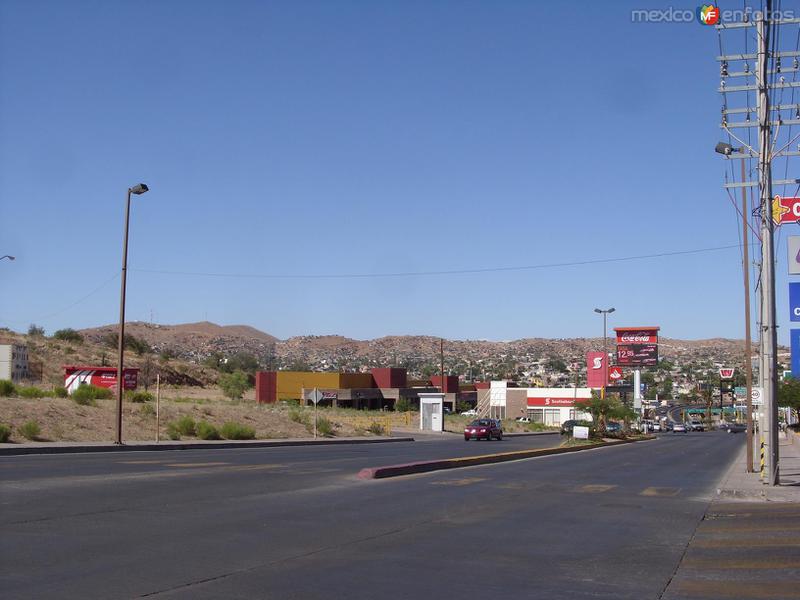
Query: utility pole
748, 362
769, 344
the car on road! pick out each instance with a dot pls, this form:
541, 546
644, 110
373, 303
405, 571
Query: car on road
697, 425
734, 427
470, 413
656, 426
679, 428
483, 429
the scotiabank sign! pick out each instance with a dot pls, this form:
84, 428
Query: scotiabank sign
550, 401
595, 369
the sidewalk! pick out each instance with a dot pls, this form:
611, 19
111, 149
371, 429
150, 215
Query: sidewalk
740, 485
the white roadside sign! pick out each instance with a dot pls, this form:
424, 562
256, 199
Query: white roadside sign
580, 433
756, 397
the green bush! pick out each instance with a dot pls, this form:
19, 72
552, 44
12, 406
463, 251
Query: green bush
138, 397
7, 388
402, 405
376, 428
86, 395
35, 331
30, 430
30, 392
233, 385
59, 391
186, 425
147, 410
298, 416
5, 433
237, 431
68, 335
325, 427
206, 431
172, 431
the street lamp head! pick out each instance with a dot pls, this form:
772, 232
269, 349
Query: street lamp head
9, 257
612, 309
723, 148
139, 188
597, 310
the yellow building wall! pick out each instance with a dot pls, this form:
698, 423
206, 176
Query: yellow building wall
289, 384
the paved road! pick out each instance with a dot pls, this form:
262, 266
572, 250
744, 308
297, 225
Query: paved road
296, 523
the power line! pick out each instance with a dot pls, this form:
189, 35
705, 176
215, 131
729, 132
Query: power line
432, 273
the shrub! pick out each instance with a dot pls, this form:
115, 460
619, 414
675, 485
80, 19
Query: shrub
147, 410
298, 416
5, 433
402, 405
30, 392
35, 331
7, 388
186, 425
172, 431
324, 427
139, 397
376, 428
59, 391
86, 395
30, 430
233, 385
206, 431
68, 335
237, 431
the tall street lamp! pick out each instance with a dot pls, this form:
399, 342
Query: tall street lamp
605, 314
138, 189
8, 256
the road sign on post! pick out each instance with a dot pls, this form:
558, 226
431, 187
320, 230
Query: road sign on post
315, 397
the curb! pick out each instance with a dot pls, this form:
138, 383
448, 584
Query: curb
469, 461
23, 450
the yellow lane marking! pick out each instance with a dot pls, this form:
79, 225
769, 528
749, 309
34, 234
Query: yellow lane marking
595, 488
185, 465
660, 491
737, 589
746, 543
459, 482
728, 564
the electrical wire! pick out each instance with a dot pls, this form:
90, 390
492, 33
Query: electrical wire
439, 273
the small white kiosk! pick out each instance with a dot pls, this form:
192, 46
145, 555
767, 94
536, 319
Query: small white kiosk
431, 411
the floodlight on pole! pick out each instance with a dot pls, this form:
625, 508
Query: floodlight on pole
138, 189
8, 256
605, 313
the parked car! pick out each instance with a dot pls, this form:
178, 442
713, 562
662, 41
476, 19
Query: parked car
613, 427
483, 429
697, 425
656, 426
470, 413
679, 428
523, 420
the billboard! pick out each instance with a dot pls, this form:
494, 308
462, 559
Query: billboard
795, 344
596, 369
76, 376
794, 301
637, 346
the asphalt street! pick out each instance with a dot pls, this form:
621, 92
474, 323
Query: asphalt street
297, 523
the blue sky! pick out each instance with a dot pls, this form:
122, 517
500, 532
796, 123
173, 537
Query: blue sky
334, 137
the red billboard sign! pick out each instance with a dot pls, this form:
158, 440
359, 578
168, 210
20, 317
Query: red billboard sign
555, 402
615, 374
595, 369
637, 346
785, 210
76, 376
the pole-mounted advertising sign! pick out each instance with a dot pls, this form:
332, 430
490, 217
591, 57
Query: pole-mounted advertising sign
595, 369
637, 346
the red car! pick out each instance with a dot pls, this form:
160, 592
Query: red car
483, 429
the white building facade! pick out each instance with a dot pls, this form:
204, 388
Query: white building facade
14, 362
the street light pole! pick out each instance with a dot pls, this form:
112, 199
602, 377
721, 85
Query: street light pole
605, 313
137, 189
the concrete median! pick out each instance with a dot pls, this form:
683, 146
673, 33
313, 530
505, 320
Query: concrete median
471, 461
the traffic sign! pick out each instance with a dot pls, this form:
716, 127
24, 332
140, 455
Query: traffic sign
785, 210
615, 374
726, 373
756, 397
315, 396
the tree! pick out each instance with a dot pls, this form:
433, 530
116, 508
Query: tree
241, 361
556, 364
233, 385
35, 331
789, 395
600, 409
68, 335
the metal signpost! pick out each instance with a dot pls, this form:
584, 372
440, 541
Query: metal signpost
315, 397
